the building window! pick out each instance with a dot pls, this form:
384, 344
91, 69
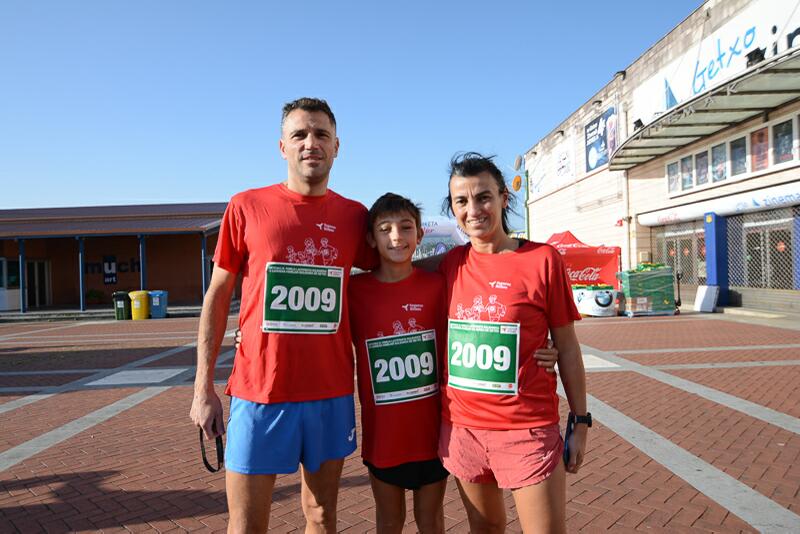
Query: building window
687, 178
672, 177
739, 156
701, 167
759, 149
782, 142
2, 273
13, 274
719, 170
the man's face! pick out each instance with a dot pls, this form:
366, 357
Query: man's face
309, 145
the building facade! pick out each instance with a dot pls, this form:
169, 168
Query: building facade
690, 157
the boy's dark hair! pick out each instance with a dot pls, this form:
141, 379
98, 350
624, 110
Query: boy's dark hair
392, 203
308, 104
468, 164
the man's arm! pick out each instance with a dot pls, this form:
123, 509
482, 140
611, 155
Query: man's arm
573, 376
206, 411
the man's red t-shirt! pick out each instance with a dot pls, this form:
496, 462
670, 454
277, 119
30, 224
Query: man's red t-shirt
398, 432
274, 224
528, 286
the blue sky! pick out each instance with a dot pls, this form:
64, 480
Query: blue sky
151, 101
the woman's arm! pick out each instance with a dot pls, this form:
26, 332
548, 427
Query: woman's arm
573, 376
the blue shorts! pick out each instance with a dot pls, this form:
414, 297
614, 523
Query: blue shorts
270, 439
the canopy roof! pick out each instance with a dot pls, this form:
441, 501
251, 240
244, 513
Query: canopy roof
758, 90
111, 220
567, 241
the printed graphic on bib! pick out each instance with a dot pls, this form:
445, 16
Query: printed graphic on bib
302, 298
403, 367
482, 356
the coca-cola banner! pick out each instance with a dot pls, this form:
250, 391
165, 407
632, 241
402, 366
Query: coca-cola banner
587, 265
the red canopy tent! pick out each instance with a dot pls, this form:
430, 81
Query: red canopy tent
587, 265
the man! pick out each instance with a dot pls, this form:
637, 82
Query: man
292, 382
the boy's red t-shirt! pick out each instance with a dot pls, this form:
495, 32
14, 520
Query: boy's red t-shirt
528, 286
401, 432
274, 224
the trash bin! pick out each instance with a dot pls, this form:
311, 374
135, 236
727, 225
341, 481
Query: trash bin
122, 305
140, 305
158, 304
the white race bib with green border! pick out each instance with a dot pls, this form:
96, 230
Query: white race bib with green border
483, 356
403, 367
302, 299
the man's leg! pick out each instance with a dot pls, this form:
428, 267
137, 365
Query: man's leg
249, 500
319, 494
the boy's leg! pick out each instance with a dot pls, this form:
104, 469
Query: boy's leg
249, 501
542, 507
429, 507
486, 510
390, 506
319, 494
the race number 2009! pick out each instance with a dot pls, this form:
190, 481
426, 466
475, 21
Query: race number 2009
302, 298
403, 367
482, 356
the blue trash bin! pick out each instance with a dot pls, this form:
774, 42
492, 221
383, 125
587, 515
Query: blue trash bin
158, 304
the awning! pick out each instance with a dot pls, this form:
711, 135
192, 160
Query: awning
758, 90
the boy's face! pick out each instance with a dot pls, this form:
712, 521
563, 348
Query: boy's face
396, 237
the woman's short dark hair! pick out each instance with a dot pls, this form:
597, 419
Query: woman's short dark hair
468, 164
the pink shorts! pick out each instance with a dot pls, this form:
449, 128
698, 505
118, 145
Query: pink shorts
511, 458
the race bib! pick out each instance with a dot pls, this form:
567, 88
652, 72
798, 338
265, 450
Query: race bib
302, 299
482, 356
403, 367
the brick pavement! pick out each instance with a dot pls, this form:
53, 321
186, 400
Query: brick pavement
140, 471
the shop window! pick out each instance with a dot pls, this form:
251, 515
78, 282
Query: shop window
2, 273
739, 156
687, 178
719, 171
759, 149
672, 177
782, 142
701, 168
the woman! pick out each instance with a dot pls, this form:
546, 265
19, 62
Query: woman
499, 409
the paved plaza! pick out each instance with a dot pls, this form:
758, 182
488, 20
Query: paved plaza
696, 430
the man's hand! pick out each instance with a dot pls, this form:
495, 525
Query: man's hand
577, 447
547, 357
206, 413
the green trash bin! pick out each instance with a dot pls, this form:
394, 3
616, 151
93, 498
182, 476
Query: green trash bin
122, 305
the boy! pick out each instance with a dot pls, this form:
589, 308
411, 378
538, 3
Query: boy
396, 319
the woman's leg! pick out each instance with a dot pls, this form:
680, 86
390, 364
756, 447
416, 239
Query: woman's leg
542, 507
486, 510
390, 506
429, 507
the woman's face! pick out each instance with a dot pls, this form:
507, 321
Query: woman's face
478, 205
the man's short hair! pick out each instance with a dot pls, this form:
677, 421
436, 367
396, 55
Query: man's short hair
308, 104
391, 203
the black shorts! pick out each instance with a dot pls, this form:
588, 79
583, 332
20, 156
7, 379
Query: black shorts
411, 475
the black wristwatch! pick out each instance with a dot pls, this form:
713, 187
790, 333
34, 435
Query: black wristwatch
585, 419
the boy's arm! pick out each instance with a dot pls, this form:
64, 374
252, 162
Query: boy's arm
206, 411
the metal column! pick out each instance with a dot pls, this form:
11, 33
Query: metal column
81, 280
716, 238
142, 264
203, 259
23, 291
